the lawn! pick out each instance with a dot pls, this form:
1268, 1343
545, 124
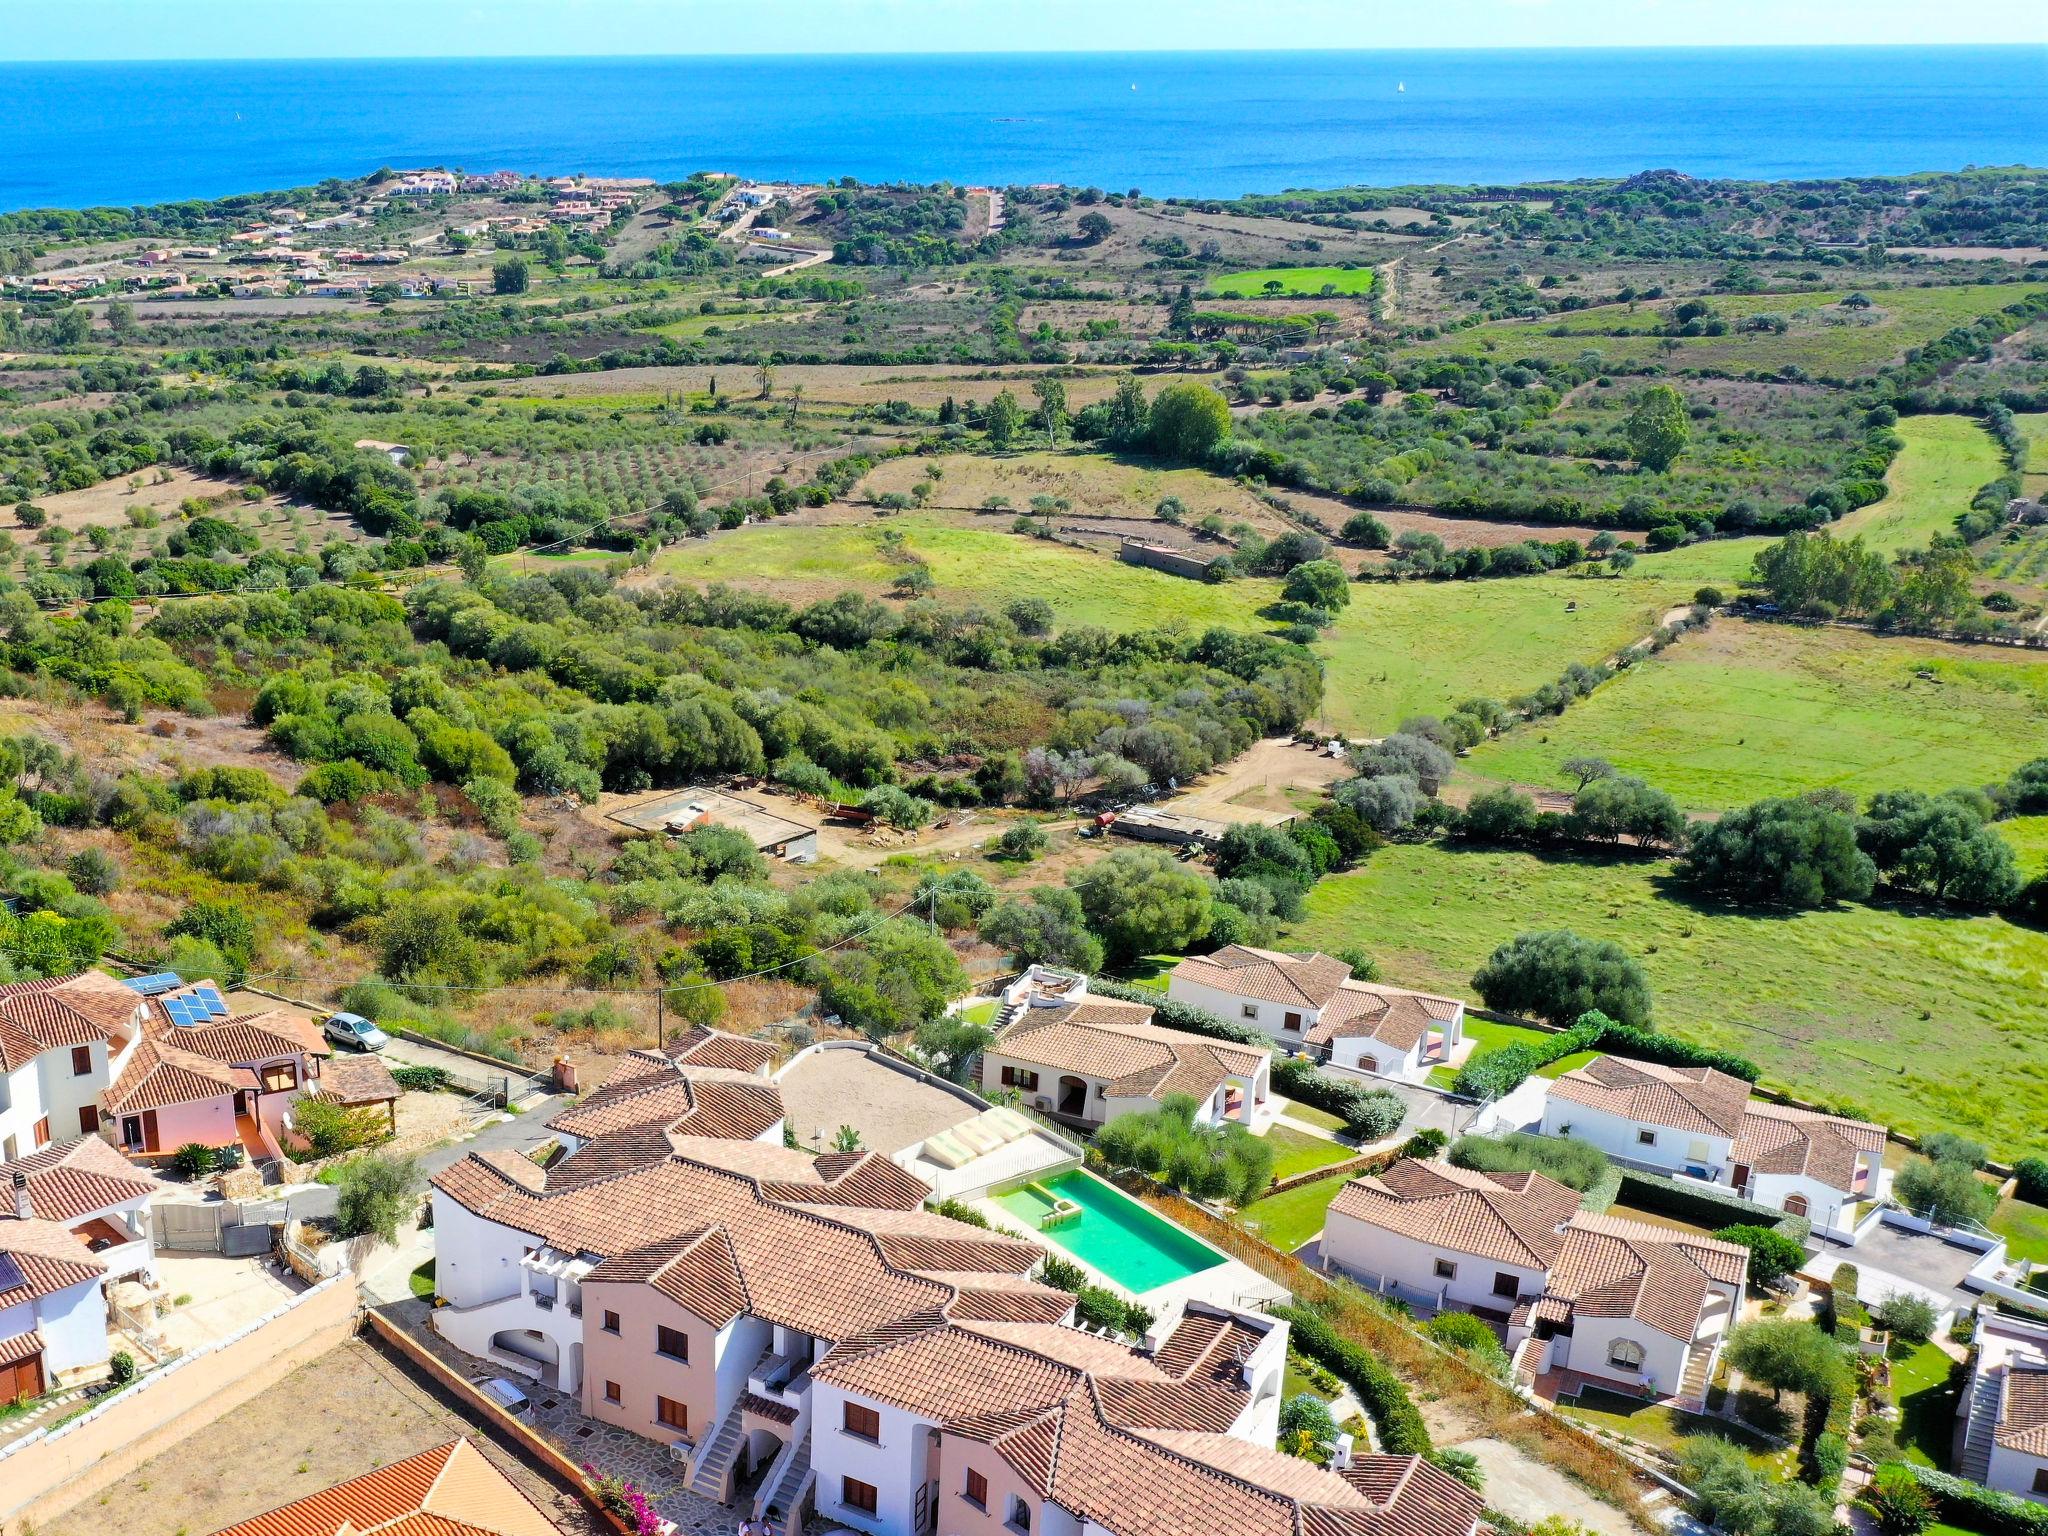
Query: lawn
2024, 1226
1668, 1429
1747, 710
1823, 337
1927, 1402
1419, 647
1925, 1022
2033, 426
1290, 1219
983, 1012
1310, 281
1946, 460
1488, 1035
1308, 1114
422, 1281
805, 562
1298, 1152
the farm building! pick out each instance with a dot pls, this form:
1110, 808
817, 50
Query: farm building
1152, 824
1164, 557
678, 810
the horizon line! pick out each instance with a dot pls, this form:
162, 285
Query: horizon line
1038, 53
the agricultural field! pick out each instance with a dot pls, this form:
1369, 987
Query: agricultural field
1300, 282
1822, 337
1941, 1034
1746, 710
1946, 461
2033, 426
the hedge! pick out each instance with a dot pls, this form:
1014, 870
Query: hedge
1370, 1113
1977, 1508
1395, 1420
2032, 1176
1707, 1208
420, 1079
1846, 1312
1497, 1073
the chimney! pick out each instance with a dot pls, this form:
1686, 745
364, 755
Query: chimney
22, 1208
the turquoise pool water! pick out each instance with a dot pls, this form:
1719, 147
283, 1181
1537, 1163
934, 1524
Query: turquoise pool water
1135, 1247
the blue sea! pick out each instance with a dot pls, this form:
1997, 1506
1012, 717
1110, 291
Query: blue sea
1186, 124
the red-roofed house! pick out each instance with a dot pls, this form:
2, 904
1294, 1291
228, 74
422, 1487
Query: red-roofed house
1310, 1003
57, 1039
452, 1490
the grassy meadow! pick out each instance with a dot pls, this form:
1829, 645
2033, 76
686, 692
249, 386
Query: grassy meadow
1924, 1021
1747, 710
1293, 281
1822, 337
2034, 426
1946, 460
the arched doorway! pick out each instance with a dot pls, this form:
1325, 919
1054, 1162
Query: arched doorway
1073, 1096
531, 1348
1795, 1205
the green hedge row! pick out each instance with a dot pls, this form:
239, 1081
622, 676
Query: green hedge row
1846, 1312
1370, 1113
1977, 1508
1687, 1202
1396, 1421
1497, 1073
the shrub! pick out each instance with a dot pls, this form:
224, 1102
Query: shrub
1104, 1310
959, 1210
1559, 976
1977, 1508
1061, 1274
329, 1127
1771, 1253
1909, 1316
1395, 1419
1897, 1502
1575, 1164
1370, 1114
421, 1079
1471, 1337
2031, 1174
374, 1194
120, 1368
194, 1160
1306, 1428
1949, 1194
1492, 1074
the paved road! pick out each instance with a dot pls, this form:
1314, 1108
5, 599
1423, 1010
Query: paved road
520, 1133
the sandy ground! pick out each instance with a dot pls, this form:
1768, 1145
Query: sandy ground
1260, 780
345, 1414
891, 1111
226, 1295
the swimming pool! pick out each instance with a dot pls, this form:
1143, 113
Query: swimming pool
1135, 1247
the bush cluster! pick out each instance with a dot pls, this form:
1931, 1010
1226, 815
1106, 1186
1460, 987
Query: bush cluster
1397, 1423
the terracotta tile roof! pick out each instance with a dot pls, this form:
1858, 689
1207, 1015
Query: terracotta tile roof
49, 1256
357, 1080
76, 1178
997, 1298
160, 1074
58, 1011
1137, 1058
451, 1490
20, 1346
1776, 1138
1392, 1015
245, 1040
2023, 1411
700, 1047
688, 1101
1509, 1218
1309, 981
1613, 1268
767, 1408
952, 1372
1696, 1100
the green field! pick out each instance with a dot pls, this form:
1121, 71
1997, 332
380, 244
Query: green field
1295, 281
2024, 1226
1823, 337
2029, 838
1748, 710
1420, 646
805, 562
2034, 427
1288, 1220
1925, 1022
1298, 1152
1946, 460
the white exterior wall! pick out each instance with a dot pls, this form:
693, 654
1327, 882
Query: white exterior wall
1674, 1151
738, 1347
1663, 1356
1362, 1247
475, 1260
2014, 1472
65, 1093
21, 1106
894, 1467
1825, 1205
1270, 1017
1351, 1050
74, 1328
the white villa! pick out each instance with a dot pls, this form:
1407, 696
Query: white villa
1087, 1060
1631, 1306
1695, 1122
2005, 1411
1310, 1003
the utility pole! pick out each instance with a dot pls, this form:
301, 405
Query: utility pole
660, 1018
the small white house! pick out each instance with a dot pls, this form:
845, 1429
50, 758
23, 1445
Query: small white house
1088, 1060
1448, 1236
1697, 1123
1310, 1003
2005, 1411
56, 1040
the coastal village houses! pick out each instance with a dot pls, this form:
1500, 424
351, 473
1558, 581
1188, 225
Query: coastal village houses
1625, 1304
1697, 1123
803, 1332
1310, 1003
1085, 1060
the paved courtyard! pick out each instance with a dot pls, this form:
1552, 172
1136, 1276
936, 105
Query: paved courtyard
1890, 1259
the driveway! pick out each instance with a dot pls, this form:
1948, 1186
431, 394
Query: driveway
519, 1133
1892, 1259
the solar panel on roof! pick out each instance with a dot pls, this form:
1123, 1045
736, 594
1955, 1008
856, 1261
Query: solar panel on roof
207, 995
185, 1011
152, 985
11, 1278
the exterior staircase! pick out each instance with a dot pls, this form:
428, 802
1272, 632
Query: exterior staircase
788, 1486
1008, 1014
711, 1472
1975, 1461
1692, 1386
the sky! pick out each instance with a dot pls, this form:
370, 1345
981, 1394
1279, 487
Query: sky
40, 30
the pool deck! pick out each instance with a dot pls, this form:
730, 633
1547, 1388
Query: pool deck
1230, 1283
